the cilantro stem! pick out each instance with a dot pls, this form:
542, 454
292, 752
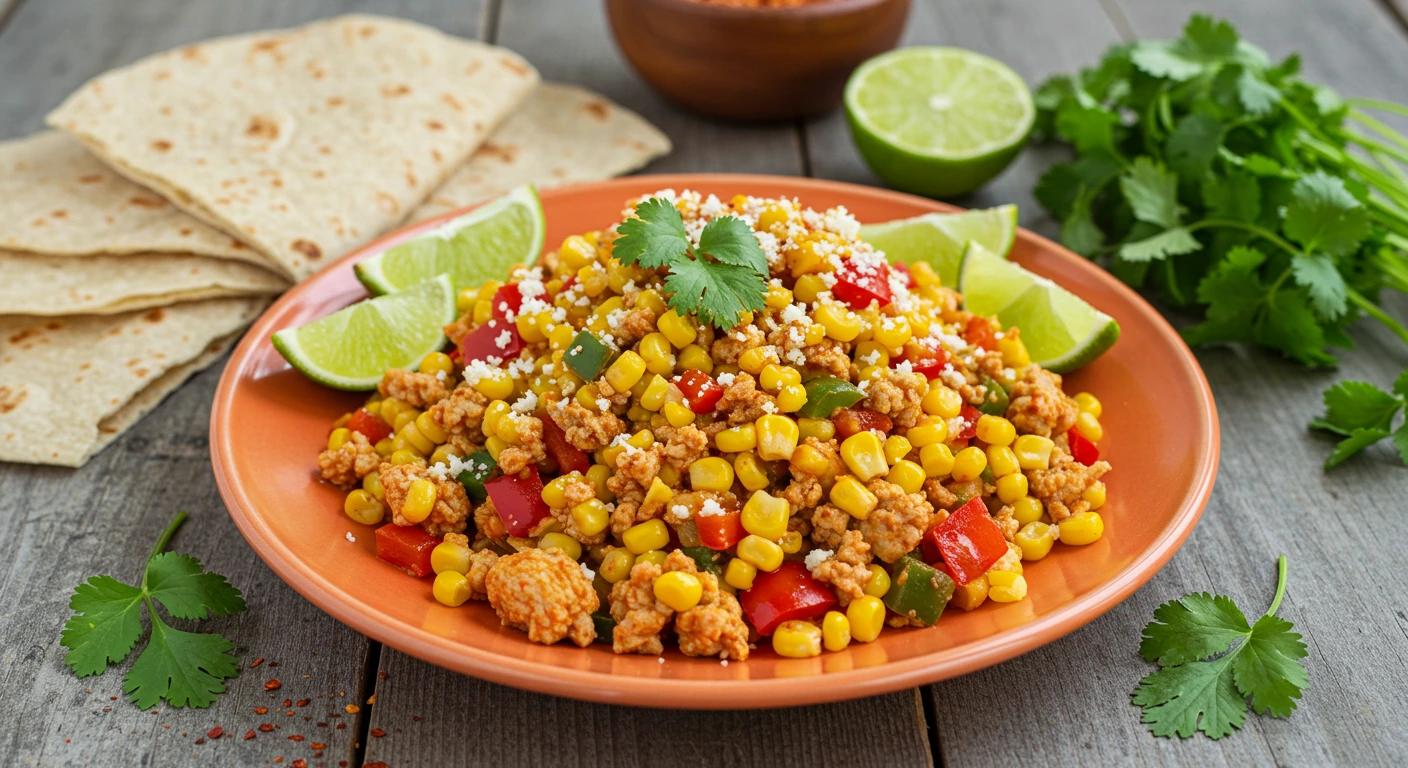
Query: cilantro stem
1377, 313
1383, 106
1261, 232
167, 534
1280, 586
1372, 143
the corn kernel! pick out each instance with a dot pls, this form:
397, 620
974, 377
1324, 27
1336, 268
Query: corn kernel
1027, 509
865, 455
451, 588
968, 464
591, 517
420, 500
896, 448
777, 437
835, 631
1095, 495
678, 415
1011, 487
930, 433
811, 461
659, 356
390, 407
797, 639
791, 398
405, 456
791, 542
712, 473
616, 565
1002, 460
867, 617
821, 429
777, 296
437, 362
814, 334
643, 537
1079, 530
1015, 589
942, 402
626, 371
655, 556
995, 430
569, 546
854, 498
679, 590
385, 447
872, 353
337, 437
808, 287
740, 438
840, 323
679, 331
696, 357
766, 515
936, 459
1089, 426
772, 215
923, 274
372, 484
879, 582
759, 552
655, 393
753, 360
650, 299
495, 386
448, 556
774, 377
907, 475
1033, 451
1014, 350
669, 475
1088, 403
576, 252
971, 595
428, 427
750, 471
740, 574
1036, 539
403, 418
529, 329
598, 474
364, 507
465, 298
483, 311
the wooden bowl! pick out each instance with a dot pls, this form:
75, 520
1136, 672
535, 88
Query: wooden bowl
753, 64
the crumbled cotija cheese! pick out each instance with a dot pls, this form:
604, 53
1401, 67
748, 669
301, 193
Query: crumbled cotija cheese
817, 557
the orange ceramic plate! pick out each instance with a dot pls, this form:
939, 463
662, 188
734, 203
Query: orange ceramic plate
1161, 435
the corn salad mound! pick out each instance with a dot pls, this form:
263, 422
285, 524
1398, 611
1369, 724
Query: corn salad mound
860, 452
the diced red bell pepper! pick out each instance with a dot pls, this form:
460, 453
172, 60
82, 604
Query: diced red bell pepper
719, 532
905, 274
1082, 450
970, 415
483, 342
968, 542
407, 547
853, 421
924, 360
858, 284
454, 355
787, 593
371, 426
700, 389
979, 333
519, 501
507, 301
569, 457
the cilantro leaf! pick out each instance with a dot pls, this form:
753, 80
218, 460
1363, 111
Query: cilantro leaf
185, 668
654, 237
1400, 441
1152, 193
1267, 667
1324, 216
717, 293
1400, 385
1193, 145
1323, 282
1192, 627
1089, 128
1170, 242
106, 625
1257, 96
730, 240
1201, 696
1351, 405
178, 583
1358, 440
1237, 196
1079, 232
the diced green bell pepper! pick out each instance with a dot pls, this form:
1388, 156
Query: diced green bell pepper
918, 591
707, 559
481, 465
605, 627
995, 404
827, 393
587, 356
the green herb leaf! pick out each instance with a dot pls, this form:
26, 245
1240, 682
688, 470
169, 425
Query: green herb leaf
1235, 196
106, 624
1400, 441
1193, 145
185, 668
1201, 696
1192, 627
717, 293
1257, 96
1358, 440
1170, 242
730, 240
1324, 216
180, 584
1327, 289
1079, 232
653, 238
1152, 193
1268, 667
1351, 405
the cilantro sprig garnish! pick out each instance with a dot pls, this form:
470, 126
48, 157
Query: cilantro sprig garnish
1221, 180
1213, 660
725, 276
1363, 414
185, 668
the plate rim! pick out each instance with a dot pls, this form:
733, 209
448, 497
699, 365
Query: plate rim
672, 693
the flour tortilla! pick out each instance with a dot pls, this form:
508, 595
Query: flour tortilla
37, 284
60, 378
303, 143
560, 135
57, 198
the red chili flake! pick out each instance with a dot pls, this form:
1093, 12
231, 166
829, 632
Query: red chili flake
303, 702
340, 726
296, 737
317, 754
273, 663
68, 741
299, 763
370, 700
215, 733
381, 674
352, 709
200, 741
416, 718
249, 734
154, 712
375, 765
278, 759
112, 698
289, 713
378, 733
256, 662
322, 725
341, 764
107, 709
288, 702
273, 685
261, 710
266, 727
318, 745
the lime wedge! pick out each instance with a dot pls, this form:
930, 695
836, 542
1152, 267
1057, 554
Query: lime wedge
938, 238
352, 348
937, 121
1061, 331
472, 249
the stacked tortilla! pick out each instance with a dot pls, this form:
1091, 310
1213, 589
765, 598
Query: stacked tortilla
189, 188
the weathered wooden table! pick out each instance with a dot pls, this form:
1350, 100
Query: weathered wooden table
1065, 704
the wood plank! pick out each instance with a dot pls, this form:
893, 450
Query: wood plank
511, 727
1271, 498
67, 525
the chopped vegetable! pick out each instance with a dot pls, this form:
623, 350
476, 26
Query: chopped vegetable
852, 421
785, 594
996, 400
605, 627
827, 393
970, 415
373, 427
185, 668
1212, 661
968, 542
858, 286
496, 338
519, 501
926, 360
1082, 450
720, 532
1363, 414
979, 333
407, 547
569, 457
587, 356
706, 558
700, 389
481, 466
507, 301
918, 591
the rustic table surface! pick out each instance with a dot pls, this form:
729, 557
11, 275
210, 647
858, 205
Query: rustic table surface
1064, 704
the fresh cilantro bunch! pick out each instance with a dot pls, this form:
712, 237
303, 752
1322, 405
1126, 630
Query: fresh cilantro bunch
1221, 180
725, 276
1363, 414
1212, 661
185, 668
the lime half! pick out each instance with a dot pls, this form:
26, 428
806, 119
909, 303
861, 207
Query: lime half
1061, 331
938, 238
937, 121
352, 348
472, 249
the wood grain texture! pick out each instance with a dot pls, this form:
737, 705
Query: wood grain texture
1346, 592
